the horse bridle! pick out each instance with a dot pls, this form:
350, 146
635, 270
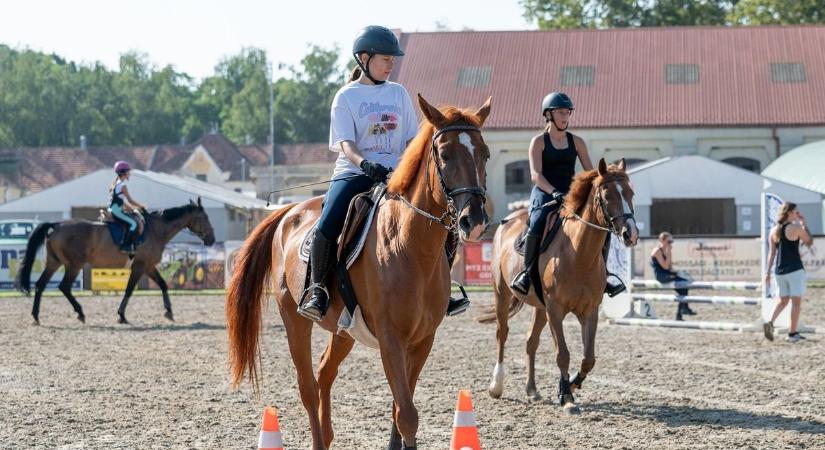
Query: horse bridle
448, 219
611, 220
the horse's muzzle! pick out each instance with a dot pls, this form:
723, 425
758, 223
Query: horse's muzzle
630, 234
473, 221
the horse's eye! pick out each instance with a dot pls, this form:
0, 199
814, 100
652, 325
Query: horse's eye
445, 156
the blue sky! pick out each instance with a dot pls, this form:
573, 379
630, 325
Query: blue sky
194, 35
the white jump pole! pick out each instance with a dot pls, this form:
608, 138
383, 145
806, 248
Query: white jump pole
708, 299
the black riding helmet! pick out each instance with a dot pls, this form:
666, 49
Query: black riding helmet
375, 40
555, 100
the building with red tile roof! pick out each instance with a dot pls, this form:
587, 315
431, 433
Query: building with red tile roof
742, 95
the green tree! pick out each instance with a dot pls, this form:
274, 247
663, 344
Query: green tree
303, 101
686, 13
778, 12
235, 99
560, 14
563, 14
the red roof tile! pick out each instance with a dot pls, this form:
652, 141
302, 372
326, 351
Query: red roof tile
734, 86
296, 154
258, 155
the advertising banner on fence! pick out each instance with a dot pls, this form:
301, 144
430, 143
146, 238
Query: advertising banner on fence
193, 266
477, 258
11, 255
723, 259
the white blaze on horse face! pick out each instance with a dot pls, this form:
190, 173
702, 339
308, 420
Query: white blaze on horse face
626, 206
466, 141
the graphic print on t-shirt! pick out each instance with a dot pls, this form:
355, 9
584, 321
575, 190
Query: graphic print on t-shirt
383, 123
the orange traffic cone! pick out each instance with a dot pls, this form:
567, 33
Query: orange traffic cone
465, 435
270, 438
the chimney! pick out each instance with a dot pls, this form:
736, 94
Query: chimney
83, 142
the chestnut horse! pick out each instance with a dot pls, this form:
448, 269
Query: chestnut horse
572, 273
401, 278
75, 243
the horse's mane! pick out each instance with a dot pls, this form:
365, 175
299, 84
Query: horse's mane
579, 192
416, 152
177, 212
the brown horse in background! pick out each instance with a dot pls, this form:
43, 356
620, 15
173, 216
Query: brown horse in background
572, 273
75, 243
401, 278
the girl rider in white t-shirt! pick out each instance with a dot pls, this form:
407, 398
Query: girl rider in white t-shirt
371, 122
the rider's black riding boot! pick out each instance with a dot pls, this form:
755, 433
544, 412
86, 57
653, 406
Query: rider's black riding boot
126, 244
322, 258
611, 289
521, 282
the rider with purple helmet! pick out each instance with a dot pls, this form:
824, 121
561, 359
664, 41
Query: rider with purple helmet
122, 203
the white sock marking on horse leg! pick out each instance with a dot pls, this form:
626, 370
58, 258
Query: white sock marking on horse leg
497, 383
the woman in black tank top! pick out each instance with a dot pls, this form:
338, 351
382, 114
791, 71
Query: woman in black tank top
552, 156
790, 273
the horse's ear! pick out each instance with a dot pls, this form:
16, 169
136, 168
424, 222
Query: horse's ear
622, 164
602, 167
432, 114
484, 111
191, 202
199, 202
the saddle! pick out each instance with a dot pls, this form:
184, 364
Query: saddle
118, 229
360, 214
551, 228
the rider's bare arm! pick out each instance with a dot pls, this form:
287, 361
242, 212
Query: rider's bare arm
352, 153
130, 202
584, 156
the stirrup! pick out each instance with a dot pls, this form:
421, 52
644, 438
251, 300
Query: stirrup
311, 313
514, 283
613, 290
460, 304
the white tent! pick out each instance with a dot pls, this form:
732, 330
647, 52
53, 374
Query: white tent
228, 211
698, 177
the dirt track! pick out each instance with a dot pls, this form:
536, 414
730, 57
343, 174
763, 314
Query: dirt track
162, 385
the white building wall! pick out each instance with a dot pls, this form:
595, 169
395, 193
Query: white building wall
649, 144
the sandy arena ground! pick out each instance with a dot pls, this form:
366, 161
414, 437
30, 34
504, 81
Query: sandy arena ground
161, 385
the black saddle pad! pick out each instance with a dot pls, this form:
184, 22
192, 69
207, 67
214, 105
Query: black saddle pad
118, 230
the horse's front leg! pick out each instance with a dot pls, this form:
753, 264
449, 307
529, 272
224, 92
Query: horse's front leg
496, 388
395, 360
588, 325
154, 274
134, 277
556, 317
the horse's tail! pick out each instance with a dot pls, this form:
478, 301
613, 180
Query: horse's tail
489, 314
244, 297
38, 237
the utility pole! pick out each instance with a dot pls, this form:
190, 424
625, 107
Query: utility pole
271, 130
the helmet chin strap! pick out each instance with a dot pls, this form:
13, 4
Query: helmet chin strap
366, 70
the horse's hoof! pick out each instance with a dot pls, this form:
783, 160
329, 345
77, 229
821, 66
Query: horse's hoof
36, 323
169, 316
572, 409
81, 318
122, 320
495, 393
533, 396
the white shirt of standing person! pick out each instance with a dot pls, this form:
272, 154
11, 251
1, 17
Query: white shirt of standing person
379, 119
